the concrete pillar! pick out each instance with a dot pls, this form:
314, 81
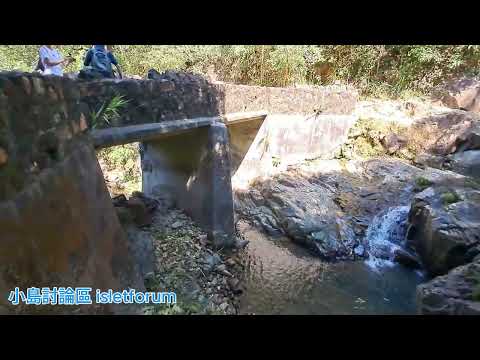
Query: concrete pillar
194, 169
222, 217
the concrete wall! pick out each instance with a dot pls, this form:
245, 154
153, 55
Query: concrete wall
261, 149
57, 223
303, 100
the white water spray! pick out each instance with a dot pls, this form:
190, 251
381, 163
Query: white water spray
385, 234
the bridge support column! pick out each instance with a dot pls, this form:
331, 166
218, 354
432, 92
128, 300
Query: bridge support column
194, 169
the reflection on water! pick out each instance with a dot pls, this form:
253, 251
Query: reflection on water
282, 278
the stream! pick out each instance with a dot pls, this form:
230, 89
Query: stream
283, 278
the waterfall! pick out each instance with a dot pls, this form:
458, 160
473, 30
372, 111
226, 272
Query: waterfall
385, 234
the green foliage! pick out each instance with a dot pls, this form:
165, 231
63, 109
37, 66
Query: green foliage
122, 157
108, 111
422, 183
450, 197
377, 70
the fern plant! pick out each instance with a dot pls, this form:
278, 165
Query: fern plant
108, 112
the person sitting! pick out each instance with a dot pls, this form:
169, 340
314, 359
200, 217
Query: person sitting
98, 63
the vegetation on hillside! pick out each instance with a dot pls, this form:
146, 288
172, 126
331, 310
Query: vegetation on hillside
374, 69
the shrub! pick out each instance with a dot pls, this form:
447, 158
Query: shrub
450, 197
422, 183
377, 70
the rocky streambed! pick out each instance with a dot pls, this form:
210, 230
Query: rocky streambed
396, 198
174, 254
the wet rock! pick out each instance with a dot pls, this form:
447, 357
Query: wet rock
359, 250
444, 225
457, 293
405, 258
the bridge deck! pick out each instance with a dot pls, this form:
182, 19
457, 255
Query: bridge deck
127, 134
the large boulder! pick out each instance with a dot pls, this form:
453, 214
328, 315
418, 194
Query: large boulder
444, 227
457, 293
302, 210
463, 93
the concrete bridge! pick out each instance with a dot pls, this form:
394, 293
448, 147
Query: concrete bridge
199, 141
190, 158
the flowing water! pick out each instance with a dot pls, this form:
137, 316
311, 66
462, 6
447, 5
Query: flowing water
282, 278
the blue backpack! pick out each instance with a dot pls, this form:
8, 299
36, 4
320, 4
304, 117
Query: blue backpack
101, 62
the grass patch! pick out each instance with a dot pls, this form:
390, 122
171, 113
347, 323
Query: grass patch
450, 197
422, 183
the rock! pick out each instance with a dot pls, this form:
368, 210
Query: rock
230, 262
240, 244
221, 268
445, 133
430, 160
359, 250
212, 261
234, 285
3, 156
457, 293
119, 200
393, 143
140, 213
219, 238
224, 306
177, 224
124, 215
469, 140
465, 163
405, 258
303, 210
203, 239
460, 93
443, 228
151, 204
